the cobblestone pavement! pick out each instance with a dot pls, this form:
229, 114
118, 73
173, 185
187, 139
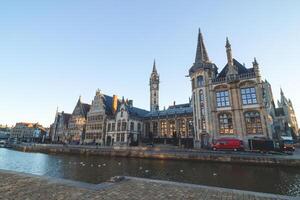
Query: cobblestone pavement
17, 186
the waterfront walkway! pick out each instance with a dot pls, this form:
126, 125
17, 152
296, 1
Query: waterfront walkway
17, 186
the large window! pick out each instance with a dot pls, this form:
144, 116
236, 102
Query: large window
119, 125
113, 126
124, 124
182, 127
131, 126
163, 128
155, 128
225, 123
248, 96
172, 128
109, 127
253, 123
222, 98
200, 81
202, 121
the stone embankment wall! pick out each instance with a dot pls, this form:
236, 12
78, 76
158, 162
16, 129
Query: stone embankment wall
160, 153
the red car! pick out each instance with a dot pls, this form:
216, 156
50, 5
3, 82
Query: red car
228, 144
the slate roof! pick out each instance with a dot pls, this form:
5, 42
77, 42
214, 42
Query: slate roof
241, 69
133, 111
108, 101
86, 107
137, 112
83, 108
179, 109
203, 65
66, 117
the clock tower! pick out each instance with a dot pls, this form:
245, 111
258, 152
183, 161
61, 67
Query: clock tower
154, 89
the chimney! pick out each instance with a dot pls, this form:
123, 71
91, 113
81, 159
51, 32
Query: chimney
115, 104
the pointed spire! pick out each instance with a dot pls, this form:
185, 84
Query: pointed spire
229, 52
228, 45
201, 54
98, 91
281, 92
255, 63
154, 67
283, 98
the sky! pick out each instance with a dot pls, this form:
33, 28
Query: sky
51, 52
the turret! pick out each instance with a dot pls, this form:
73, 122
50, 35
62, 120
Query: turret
231, 68
229, 52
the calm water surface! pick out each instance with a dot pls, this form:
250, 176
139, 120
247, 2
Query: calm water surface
96, 169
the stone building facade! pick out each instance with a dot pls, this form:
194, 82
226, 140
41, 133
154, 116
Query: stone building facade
228, 103
234, 102
77, 123
285, 123
125, 127
96, 120
59, 129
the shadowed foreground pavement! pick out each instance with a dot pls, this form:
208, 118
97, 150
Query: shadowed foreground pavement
17, 186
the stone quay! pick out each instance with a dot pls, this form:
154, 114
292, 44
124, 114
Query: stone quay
164, 153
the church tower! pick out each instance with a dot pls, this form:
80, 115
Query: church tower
154, 89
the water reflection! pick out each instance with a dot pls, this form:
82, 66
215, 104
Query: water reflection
95, 169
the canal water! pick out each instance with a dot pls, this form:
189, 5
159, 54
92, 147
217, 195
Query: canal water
96, 169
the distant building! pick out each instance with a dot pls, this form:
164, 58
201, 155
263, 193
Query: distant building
27, 132
285, 118
59, 129
77, 122
4, 132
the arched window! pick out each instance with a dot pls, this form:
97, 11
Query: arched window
253, 123
200, 81
131, 126
119, 125
225, 123
202, 122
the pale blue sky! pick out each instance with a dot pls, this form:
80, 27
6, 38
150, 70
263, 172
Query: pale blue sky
52, 51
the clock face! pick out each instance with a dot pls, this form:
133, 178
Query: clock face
154, 86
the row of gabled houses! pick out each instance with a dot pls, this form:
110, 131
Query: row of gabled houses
235, 102
113, 121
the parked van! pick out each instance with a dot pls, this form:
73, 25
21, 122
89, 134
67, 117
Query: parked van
288, 144
228, 144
